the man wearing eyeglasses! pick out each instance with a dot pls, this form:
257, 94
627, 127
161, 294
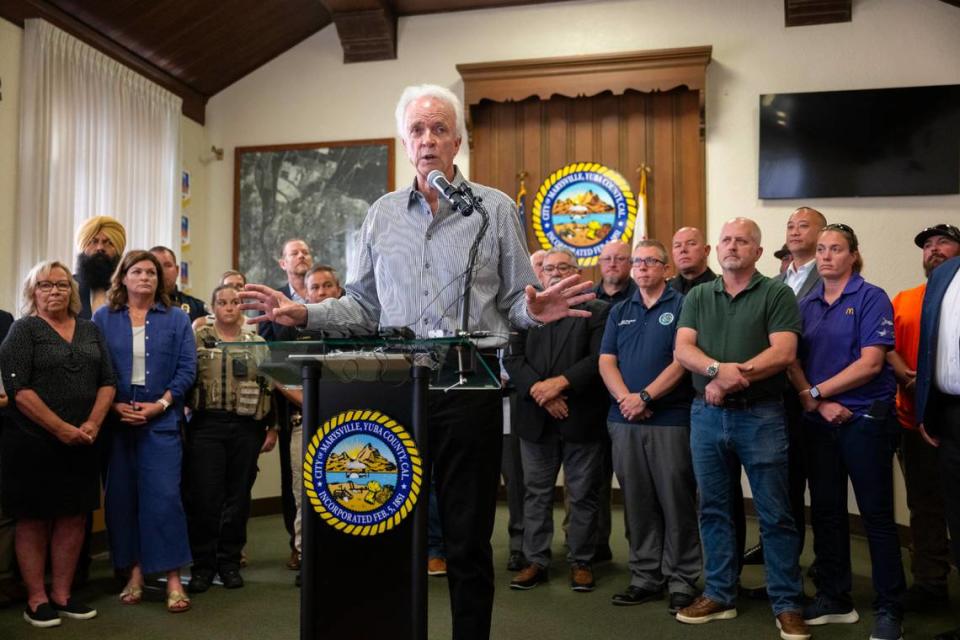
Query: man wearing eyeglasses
649, 423
930, 557
561, 404
615, 284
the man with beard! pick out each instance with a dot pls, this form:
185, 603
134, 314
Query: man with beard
615, 283
918, 460
191, 306
101, 241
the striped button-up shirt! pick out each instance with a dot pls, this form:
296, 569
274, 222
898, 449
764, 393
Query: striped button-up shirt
408, 270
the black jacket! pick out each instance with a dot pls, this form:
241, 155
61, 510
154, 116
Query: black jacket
570, 347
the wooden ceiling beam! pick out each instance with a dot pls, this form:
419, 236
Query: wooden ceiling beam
367, 29
802, 13
194, 103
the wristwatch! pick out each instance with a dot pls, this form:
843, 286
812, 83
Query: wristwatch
713, 369
815, 392
163, 403
645, 396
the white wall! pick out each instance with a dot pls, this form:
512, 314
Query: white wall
308, 94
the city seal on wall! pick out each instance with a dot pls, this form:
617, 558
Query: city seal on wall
362, 472
582, 207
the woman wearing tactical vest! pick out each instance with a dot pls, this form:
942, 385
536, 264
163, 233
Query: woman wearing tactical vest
228, 430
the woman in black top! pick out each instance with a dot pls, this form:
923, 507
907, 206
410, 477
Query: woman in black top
58, 376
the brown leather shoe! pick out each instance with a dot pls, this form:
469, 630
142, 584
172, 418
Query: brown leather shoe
705, 610
529, 577
294, 562
792, 626
436, 567
581, 578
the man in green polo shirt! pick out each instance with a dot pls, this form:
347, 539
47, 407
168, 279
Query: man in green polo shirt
736, 336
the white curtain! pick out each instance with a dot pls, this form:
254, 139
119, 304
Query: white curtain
96, 138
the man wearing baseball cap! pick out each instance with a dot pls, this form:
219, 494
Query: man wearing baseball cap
918, 460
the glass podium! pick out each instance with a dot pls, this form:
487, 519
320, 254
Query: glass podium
366, 472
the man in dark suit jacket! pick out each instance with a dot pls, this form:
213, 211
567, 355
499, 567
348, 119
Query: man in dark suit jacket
561, 417
803, 229
801, 275
938, 388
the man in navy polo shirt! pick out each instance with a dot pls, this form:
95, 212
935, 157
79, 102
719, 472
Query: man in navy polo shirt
649, 424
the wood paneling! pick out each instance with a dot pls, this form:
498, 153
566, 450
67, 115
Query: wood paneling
620, 131
628, 110
574, 76
367, 29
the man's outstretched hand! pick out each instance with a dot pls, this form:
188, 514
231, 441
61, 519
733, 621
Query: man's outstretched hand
272, 305
557, 301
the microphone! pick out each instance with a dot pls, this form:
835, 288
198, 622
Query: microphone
455, 196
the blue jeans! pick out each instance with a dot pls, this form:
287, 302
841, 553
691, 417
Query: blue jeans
862, 449
721, 439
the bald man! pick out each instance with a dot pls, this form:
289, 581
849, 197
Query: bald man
803, 228
737, 335
690, 252
100, 241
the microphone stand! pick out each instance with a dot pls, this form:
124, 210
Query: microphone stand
464, 366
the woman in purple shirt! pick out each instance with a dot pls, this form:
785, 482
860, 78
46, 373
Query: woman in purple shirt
847, 390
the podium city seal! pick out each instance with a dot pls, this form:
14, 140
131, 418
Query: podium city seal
362, 472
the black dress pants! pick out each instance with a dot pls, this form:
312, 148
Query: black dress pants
220, 459
948, 425
465, 445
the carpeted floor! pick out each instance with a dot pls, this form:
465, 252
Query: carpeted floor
267, 607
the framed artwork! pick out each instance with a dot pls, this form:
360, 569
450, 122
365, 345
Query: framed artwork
316, 191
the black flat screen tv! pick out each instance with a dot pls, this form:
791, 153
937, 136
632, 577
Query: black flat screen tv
875, 142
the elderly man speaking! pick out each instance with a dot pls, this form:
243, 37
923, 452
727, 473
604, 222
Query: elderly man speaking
406, 271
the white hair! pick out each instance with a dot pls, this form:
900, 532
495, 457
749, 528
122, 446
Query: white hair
553, 251
415, 92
